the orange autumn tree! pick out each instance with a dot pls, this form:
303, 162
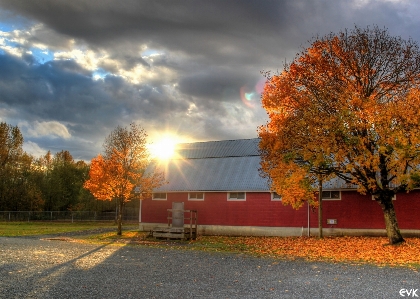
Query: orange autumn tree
348, 105
123, 167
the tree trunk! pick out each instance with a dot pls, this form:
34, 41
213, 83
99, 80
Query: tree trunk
119, 217
391, 224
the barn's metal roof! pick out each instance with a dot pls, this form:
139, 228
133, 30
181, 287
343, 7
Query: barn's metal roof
337, 184
228, 165
218, 149
214, 174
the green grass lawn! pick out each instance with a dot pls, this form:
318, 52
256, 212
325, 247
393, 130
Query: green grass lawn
15, 229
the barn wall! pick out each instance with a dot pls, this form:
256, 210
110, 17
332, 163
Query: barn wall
257, 210
353, 211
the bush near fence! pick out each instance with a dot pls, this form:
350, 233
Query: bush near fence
128, 215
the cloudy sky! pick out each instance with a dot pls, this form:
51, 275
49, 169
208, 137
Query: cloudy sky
71, 71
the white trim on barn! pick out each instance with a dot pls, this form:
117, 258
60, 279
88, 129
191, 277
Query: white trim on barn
236, 196
196, 196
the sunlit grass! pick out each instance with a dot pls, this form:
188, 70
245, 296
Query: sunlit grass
15, 229
112, 236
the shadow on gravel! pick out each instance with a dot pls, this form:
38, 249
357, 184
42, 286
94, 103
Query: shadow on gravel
76, 234
45, 271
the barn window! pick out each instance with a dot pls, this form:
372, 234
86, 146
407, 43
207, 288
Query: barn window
196, 196
159, 196
275, 196
240, 196
331, 195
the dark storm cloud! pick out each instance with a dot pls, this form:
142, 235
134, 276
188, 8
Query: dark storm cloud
212, 28
214, 83
178, 64
54, 89
64, 92
210, 32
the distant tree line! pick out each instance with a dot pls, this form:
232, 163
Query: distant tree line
46, 183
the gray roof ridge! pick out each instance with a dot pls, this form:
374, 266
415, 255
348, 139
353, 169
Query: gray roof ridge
217, 149
224, 140
214, 157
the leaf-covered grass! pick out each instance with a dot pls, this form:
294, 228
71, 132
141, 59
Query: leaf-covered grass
15, 229
371, 250
337, 249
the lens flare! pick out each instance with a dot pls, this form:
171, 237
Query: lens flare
247, 96
259, 87
251, 96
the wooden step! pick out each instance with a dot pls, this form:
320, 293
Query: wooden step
173, 233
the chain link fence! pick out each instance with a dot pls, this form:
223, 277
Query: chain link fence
73, 216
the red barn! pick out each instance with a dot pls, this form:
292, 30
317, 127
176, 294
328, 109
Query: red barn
221, 180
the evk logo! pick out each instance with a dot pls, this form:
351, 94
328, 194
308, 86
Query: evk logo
409, 293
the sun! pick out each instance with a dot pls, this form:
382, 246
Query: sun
164, 148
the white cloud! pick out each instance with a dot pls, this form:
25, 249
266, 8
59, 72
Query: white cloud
86, 58
19, 42
135, 73
12, 50
48, 128
362, 3
33, 149
141, 73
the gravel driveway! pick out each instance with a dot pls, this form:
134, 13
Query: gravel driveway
41, 268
